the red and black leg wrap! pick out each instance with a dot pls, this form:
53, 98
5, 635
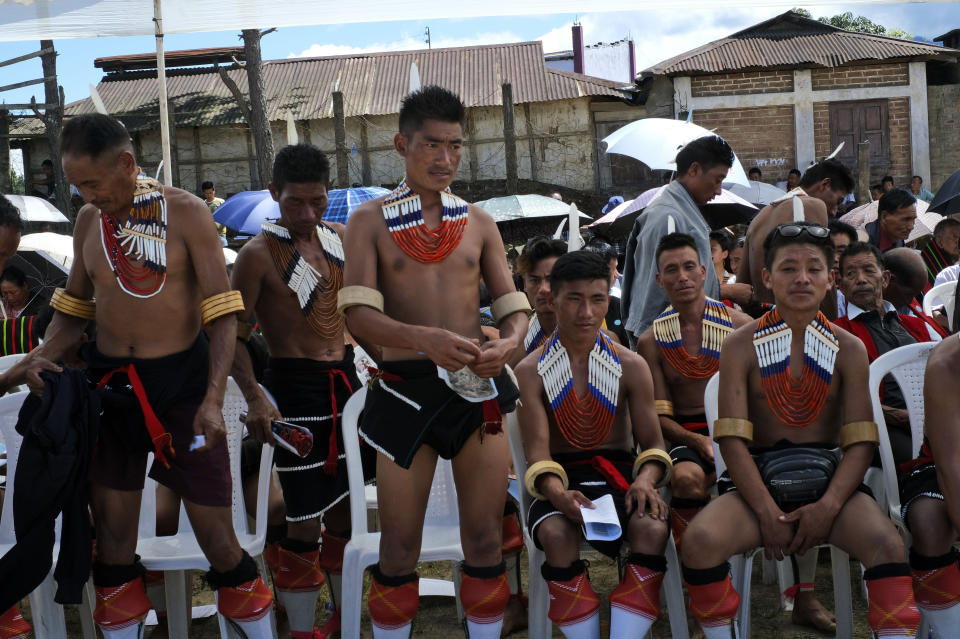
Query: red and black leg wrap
13, 625
241, 593
572, 599
639, 590
331, 552
936, 580
298, 570
393, 601
713, 599
484, 592
892, 607
682, 512
121, 596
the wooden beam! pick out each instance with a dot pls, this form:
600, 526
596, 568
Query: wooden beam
35, 54
23, 136
14, 107
366, 174
340, 136
27, 83
509, 138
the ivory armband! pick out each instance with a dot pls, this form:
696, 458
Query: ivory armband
543, 468
73, 306
858, 432
655, 455
359, 296
216, 306
509, 304
664, 407
733, 427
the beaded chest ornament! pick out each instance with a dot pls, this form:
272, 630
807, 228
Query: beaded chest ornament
584, 423
142, 237
716, 325
403, 212
535, 336
316, 294
796, 403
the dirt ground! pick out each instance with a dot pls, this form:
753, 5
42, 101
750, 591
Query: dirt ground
437, 618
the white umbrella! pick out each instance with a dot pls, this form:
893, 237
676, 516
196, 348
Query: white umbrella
229, 256
656, 142
54, 247
36, 209
755, 192
859, 217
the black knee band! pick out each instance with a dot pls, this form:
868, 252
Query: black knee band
243, 572
552, 573
704, 576
656, 563
112, 575
276, 533
683, 502
923, 562
484, 572
298, 546
898, 569
392, 581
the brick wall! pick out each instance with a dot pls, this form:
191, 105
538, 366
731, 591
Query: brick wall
899, 165
944, 117
741, 83
761, 136
852, 77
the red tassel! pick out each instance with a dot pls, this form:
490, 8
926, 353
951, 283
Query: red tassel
610, 473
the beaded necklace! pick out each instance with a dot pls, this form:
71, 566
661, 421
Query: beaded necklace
142, 237
535, 336
795, 402
584, 423
316, 294
715, 327
403, 213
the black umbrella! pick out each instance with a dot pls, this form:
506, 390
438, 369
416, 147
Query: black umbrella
947, 200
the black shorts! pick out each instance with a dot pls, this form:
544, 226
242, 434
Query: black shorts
593, 485
312, 394
401, 415
920, 482
695, 424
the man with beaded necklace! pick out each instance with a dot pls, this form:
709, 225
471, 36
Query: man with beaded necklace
803, 382
290, 275
414, 260
151, 258
534, 266
577, 391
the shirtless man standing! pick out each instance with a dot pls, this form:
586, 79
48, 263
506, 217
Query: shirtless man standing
290, 275
583, 449
800, 398
414, 260
682, 349
534, 266
822, 188
151, 257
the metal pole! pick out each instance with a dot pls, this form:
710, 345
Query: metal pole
162, 77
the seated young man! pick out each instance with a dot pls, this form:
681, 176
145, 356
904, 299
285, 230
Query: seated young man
576, 393
793, 394
930, 495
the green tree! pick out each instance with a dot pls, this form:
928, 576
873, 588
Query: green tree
860, 24
16, 183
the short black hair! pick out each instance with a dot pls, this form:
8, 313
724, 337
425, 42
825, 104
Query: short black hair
917, 177
206, 185
722, 238
47, 162
602, 248
895, 199
673, 241
887, 178
842, 228
579, 265
840, 177
300, 164
430, 103
10, 215
876, 187
755, 170
795, 172
539, 248
14, 275
899, 264
861, 248
775, 240
944, 225
94, 134
708, 151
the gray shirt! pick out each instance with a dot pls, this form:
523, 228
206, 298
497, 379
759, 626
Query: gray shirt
643, 299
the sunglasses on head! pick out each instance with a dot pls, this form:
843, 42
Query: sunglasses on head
793, 230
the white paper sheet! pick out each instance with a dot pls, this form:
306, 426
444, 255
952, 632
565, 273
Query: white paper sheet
601, 522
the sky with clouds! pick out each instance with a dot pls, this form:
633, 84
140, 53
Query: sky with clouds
658, 35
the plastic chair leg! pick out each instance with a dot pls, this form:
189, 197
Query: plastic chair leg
785, 579
87, 625
538, 624
352, 588
175, 589
842, 596
770, 571
741, 568
672, 592
455, 566
48, 619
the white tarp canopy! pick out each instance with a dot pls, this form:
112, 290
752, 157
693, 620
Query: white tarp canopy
53, 19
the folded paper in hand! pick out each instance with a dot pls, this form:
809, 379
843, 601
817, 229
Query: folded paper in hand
601, 523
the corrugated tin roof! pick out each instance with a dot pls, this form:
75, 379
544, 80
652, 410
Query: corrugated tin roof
182, 58
372, 84
791, 40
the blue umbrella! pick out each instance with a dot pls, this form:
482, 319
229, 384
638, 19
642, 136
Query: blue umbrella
245, 211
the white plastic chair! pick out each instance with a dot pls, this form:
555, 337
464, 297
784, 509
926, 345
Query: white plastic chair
178, 553
48, 618
7, 361
741, 566
538, 624
941, 295
441, 526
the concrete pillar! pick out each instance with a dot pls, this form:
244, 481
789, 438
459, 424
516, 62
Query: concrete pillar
919, 122
803, 118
